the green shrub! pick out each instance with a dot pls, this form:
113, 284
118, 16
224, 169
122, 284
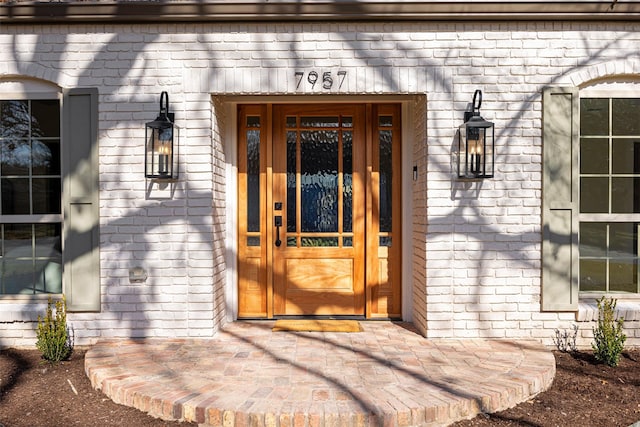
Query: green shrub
54, 340
608, 336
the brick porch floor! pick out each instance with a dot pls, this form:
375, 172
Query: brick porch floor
388, 375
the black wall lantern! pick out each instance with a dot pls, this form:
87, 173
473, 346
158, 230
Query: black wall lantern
160, 135
475, 144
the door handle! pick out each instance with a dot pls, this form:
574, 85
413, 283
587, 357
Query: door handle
278, 224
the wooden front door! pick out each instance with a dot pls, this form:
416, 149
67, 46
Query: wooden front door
317, 192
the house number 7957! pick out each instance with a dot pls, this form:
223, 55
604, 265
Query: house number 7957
325, 81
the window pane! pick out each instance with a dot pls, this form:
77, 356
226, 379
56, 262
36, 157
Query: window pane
593, 239
625, 116
45, 118
622, 239
45, 157
594, 116
15, 196
48, 258
16, 157
593, 275
17, 265
625, 195
29, 269
46, 195
594, 155
625, 156
14, 119
594, 195
623, 275
48, 276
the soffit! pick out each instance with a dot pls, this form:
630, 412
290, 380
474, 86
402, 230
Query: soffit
18, 11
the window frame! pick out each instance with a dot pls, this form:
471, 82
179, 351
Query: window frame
28, 91
610, 90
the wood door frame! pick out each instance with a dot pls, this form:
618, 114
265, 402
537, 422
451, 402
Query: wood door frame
267, 224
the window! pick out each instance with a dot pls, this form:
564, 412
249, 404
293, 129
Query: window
30, 197
609, 194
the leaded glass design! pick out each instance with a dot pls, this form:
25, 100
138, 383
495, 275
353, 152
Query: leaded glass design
319, 180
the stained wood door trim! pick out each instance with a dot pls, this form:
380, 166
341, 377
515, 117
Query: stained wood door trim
376, 303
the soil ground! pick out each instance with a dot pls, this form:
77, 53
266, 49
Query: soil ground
584, 393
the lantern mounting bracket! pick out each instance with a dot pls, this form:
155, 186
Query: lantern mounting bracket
475, 106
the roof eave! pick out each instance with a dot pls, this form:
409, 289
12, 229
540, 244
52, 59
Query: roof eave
326, 11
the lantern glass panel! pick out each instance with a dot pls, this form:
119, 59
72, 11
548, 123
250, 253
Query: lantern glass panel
475, 149
159, 156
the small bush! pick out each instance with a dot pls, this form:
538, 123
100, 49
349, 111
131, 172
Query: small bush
608, 336
565, 341
54, 340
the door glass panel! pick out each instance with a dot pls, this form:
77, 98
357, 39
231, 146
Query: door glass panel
253, 176
319, 181
292, 178
319, 122
385, 180
311, 242
347, 181
385, 121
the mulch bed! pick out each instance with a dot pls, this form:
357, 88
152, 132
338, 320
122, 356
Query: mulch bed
584, 392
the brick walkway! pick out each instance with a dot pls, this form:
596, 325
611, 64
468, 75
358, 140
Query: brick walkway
387, 375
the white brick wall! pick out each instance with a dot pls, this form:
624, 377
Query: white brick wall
476, 262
